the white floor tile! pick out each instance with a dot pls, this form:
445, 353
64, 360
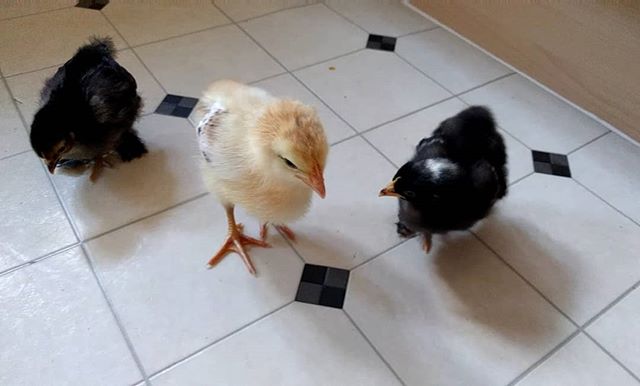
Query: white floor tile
449, 60
352, 223
14, 137
579, 363
299, 345
618, 330
186, 65
38, 41
457, 316
167, 175
156, 275
141, 22
398, 139
576, 249
22, 8
388, 17
58, 328
305, 35
240, 10
537, 118
26, 89
150, 91
609, 167
286, 86
366, 94
33, 222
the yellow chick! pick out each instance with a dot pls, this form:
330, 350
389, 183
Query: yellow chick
262, 153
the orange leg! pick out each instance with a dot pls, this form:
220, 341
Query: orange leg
235, 242
426, 242
282, 228
98, 164
287, 232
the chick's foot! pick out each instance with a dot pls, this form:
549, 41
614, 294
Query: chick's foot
236, 242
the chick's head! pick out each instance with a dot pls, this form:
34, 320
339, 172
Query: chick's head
427, 182
50, 136
297, 146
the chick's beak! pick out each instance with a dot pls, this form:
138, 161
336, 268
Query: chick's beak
315, 180
51, 165
389, 190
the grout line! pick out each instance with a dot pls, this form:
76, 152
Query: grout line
268, 78
512, 268
37, 13
346, 18
38, 259
327, 60
617, 300
511, 183
367, 261
373, 347
268, 13
589, 142
219, 340
435, 27
134, 53
544, 358
486, 83
57, 65
290, 243
633, 375
174, 36
605, 201
119, 227
14, 155
47, 174
117, 319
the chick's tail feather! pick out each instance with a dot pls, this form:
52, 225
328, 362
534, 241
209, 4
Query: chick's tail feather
103, 45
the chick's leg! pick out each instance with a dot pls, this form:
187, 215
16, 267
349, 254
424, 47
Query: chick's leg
426, 242
287, 232
235, 242
98, 164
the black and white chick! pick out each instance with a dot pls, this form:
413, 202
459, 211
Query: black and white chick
454, 178
87, 111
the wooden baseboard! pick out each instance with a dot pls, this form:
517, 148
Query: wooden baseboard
587, 51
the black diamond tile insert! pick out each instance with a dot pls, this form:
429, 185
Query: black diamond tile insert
380, 42
92, 4
176, 105
551, 163
325, 286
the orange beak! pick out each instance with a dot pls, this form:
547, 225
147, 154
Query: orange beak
389, 190
315, 180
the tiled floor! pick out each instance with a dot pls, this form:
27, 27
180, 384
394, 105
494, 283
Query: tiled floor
107, 283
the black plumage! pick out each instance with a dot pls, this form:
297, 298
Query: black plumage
454, 178
87, 111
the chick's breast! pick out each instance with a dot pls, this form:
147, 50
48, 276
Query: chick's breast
232, 166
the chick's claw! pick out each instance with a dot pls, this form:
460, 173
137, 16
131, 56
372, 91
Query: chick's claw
236, 242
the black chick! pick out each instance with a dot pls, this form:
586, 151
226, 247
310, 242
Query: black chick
454, 178
87, 111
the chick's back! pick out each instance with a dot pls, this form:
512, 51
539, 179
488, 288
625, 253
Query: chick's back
92, 96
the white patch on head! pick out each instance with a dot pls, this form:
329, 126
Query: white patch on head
439, 166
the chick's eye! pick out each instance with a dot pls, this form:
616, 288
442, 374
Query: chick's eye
409, 194
289, 163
